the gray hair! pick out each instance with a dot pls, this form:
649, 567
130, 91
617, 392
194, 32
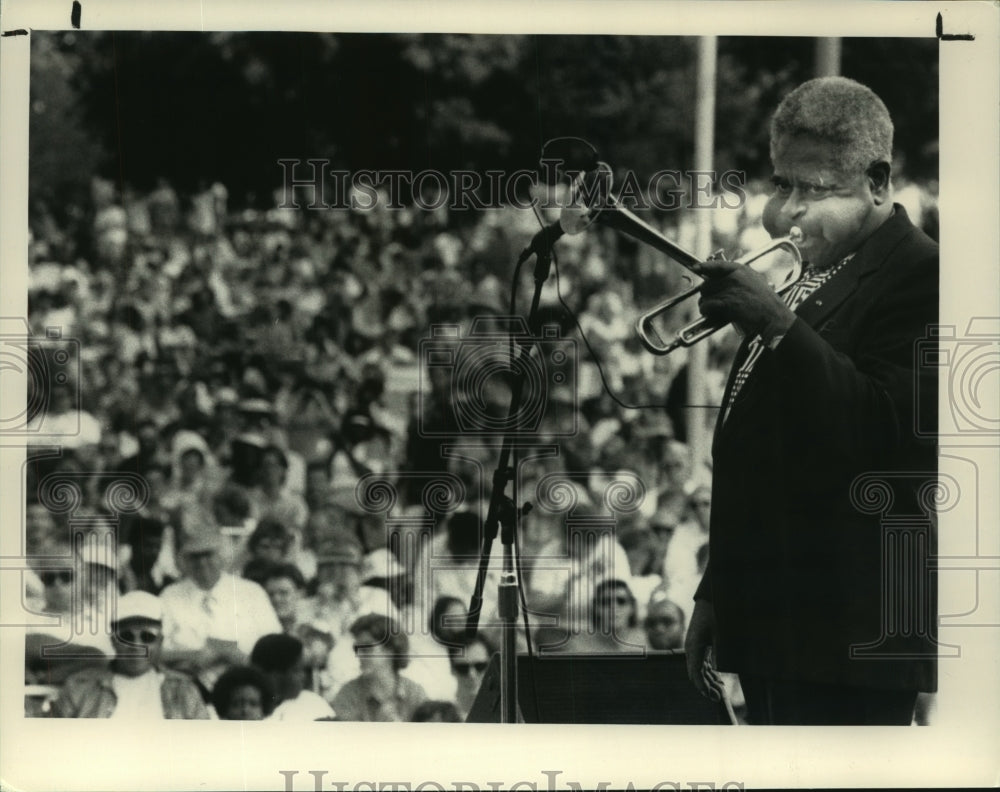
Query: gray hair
841, 112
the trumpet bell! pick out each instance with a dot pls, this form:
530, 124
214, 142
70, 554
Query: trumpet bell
779, 262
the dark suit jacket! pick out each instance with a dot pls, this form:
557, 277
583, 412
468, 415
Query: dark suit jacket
799, 528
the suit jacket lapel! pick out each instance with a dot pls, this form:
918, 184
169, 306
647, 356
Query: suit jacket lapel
816, 308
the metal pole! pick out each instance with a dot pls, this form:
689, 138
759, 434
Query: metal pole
704, 144
828, 57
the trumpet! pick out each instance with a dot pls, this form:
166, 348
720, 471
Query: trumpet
779, 261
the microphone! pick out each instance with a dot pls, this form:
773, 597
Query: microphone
563, 156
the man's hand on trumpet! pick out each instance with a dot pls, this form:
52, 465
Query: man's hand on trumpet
739, 294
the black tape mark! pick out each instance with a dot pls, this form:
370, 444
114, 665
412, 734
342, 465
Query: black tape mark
18, 32
74, 15
942, 36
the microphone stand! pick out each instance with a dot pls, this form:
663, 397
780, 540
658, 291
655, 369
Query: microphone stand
503, 512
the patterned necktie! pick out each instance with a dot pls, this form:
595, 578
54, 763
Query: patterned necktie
812, 279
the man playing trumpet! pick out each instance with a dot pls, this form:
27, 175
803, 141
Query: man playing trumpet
823, 396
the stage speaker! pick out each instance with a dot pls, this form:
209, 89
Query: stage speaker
615, 689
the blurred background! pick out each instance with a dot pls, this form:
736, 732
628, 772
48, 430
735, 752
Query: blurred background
195, 108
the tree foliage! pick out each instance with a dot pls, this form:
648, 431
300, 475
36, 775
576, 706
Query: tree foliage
198, 107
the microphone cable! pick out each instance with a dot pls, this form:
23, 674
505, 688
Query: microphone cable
576, 323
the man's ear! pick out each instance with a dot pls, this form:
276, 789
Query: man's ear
878, 180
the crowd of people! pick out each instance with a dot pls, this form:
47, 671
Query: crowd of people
232, 386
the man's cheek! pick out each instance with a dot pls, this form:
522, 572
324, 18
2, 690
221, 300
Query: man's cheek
770, 216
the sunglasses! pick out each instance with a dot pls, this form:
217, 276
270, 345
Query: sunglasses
146, 637
464, 669
50, 578
621, 600
365, 649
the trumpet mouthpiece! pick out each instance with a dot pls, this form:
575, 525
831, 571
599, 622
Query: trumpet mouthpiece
795, 234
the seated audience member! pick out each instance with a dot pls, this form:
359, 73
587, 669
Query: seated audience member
78, 640
447, 621
662, 524
645, 558
231, 510
677, 466
256, 570
40, 533
133, 687
246, 450
317, 646
360, 447
382, 591
272, 498
434, 711
193, 476
614, 622
156, 473
276, 499
379, 692
334, 606
680, 563
145, 538
243, 693
268, 545
664, 624
567, 567
281, 658
82, 595
98, 591
468, 665
429, 652
211, 618
190, 462
317, 494
149, 448
284, 585
448, 566
383, 583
